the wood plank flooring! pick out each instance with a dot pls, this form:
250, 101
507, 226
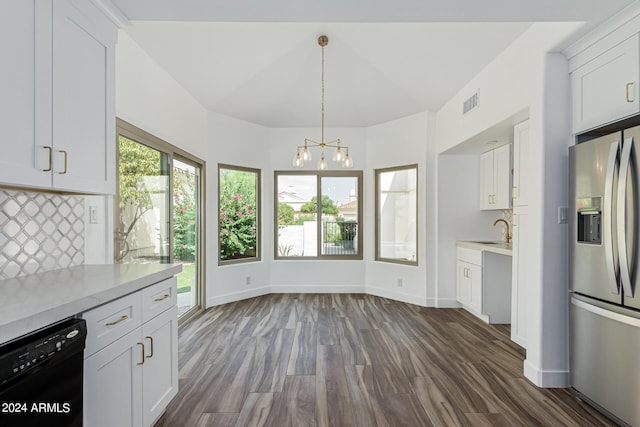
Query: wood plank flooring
357, 360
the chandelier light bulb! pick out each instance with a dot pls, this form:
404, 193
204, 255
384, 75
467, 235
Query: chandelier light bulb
306, 154
347, 163
337, 155
322, 164
297, 160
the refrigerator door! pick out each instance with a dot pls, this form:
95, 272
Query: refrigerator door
605, 343
627, 217
593, 244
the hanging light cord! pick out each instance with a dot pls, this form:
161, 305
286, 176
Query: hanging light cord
322, 140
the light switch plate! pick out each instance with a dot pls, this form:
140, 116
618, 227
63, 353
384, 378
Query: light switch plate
93, 214
562, 215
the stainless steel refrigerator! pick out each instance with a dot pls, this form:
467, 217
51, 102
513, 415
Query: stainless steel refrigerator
604, 273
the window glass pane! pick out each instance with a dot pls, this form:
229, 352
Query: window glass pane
397, 214
339, 215
239, 213
186, 180
142, 235
297, 215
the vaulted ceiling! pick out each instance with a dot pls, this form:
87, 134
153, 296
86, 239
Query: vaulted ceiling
259, 60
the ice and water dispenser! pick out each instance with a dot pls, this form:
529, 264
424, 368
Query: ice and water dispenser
589, 211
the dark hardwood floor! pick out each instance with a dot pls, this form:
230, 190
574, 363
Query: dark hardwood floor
357, 360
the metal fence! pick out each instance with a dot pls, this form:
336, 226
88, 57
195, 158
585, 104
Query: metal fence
339, 238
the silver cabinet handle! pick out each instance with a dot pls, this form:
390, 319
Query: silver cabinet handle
162, 298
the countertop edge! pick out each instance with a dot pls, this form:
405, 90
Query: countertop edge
20, 325
500, 249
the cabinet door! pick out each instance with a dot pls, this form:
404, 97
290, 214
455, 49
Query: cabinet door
22, 47
83, 121
113, 384
463, 284
475, 279
502, 177
486, 180
519, 278
521, 164
160, 369
606, 88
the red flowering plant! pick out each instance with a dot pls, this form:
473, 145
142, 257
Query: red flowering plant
238, 231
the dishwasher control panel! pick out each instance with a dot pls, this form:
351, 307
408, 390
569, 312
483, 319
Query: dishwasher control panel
40, 347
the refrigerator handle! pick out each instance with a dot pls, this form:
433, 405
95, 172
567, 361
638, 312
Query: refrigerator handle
609, 232
621, 220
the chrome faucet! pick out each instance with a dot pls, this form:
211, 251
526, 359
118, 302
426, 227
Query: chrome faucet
506, 224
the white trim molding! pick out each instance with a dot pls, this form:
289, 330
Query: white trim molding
545, 379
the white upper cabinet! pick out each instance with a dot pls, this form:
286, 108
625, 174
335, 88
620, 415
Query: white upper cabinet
495, 179
59, 104
520, 190
605, 89
18, 102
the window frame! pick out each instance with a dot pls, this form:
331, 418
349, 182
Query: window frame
258, 256
377, 173
358, 174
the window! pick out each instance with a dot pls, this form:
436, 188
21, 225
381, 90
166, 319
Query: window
318, 215
239, 214
396, 214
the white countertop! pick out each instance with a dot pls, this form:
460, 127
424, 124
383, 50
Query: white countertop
501, 248
31, 302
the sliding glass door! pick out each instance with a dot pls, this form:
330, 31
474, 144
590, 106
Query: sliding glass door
159, 210
186, 220
143, 230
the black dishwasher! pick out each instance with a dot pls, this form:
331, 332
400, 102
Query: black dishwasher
41, 377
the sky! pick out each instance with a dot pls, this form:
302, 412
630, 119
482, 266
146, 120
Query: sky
337, 188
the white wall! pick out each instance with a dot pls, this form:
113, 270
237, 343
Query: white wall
235, 142
459, 218
149, 98
525, 76
313, 276
403, 142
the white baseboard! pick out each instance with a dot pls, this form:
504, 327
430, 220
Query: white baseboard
444, 303
237, 296
545, 379
334, 289
384, 293
311, 289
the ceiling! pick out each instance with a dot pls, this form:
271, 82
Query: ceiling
259, 61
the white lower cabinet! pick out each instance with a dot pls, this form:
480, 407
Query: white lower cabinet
484, 284
130, 377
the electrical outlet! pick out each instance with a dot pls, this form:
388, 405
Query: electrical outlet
562, 215
399, 282
247, 280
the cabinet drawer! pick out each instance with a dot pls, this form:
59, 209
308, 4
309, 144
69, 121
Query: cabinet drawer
159, 297
471, 256
107, 323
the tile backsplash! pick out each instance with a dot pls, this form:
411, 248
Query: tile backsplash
39, 232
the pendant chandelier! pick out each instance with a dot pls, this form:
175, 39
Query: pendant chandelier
303, 152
